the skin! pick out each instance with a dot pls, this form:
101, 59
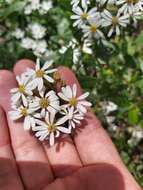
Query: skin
86, 160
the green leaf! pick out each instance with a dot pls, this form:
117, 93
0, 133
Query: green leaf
139, 84
15, 7
87, 82
133, 116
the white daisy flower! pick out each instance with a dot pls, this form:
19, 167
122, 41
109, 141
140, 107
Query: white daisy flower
74, 117
22, 91
50, 129
114, 21
92, 29
41, 74
82, 15
46, 102
129, 6
69, 95
23, 112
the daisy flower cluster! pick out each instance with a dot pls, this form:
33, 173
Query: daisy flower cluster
46, 110
105, 17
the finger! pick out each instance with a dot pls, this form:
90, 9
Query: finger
65, 152
25, 147
22, 65
8, 170
97, 145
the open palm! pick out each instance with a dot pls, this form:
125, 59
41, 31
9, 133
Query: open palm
85, 161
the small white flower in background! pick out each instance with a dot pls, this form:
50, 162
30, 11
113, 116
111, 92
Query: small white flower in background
38, 31
41, 73
87, 47
28, 10
23, 112
27, 43
69, 95
44, 110
50, 129
73, 116
46, 102
136, 134
76, 55
108, 107
92, 29
45, 6
114, 21
39, 47
35, 4
21, 91
18, 33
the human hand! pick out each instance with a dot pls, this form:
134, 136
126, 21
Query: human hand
85, 161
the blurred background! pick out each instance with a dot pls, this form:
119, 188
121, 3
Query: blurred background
112, 70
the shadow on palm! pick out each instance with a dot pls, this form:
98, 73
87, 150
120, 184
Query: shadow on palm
98, 177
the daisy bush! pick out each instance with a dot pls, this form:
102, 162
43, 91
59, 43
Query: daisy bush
102, 42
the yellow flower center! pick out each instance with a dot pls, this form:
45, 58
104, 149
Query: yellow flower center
22, 89
93, 28
51, 128
84, 16
73, 101
44, 103
114, 20
39, 73
24, 112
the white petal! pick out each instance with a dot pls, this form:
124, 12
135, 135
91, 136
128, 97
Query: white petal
24, 100
69, 92
49, 79
62, 96
47, 65
62, 120
37, 64
43, 136
16, 97
52, 139
81, 108
27, 123
52, 117
83, 96
14, 90
40, 84
64, 130
86, 103
43, 113
74, 90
